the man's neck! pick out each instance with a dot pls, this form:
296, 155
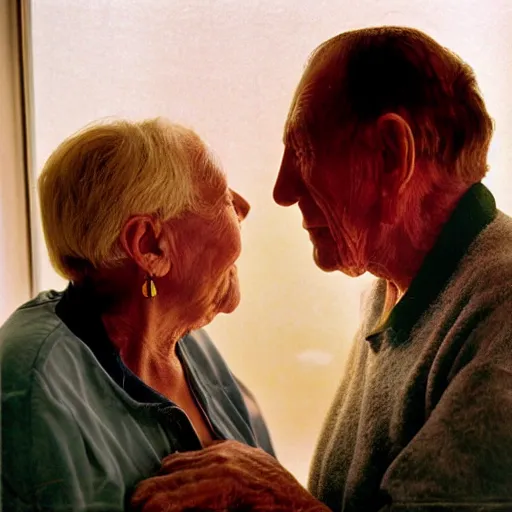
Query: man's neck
405, 246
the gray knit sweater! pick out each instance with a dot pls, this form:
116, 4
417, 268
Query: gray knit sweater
422, 420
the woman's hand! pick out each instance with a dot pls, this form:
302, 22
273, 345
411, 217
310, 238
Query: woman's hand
226, 476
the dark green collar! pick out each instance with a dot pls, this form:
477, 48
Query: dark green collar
475, 211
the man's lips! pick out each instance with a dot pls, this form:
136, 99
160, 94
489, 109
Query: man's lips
312, 226
318, 233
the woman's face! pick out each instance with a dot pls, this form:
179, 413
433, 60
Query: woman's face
209, 245
219, 246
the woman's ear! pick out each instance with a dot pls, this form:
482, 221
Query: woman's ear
145, 241
396, 146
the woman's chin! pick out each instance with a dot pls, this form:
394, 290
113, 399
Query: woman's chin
230, 301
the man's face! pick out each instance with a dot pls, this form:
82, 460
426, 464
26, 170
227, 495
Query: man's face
291, 188
327, 182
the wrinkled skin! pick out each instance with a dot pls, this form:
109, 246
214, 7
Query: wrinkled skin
225, 477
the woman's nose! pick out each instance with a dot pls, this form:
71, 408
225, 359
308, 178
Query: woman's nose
241, 205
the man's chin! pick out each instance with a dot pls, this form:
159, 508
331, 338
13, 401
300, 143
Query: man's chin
326, 264
330, 263
352, 271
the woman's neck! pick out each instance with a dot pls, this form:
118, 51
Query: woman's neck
145, 337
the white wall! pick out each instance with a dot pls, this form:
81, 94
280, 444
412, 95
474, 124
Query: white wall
228, 68
14, 248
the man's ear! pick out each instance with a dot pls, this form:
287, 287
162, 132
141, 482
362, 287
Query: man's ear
396, 145
145, 241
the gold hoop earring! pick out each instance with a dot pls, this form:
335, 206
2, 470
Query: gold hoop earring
149, 287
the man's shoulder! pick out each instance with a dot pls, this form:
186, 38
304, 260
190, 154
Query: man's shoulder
478, 299
492, 249
485, 272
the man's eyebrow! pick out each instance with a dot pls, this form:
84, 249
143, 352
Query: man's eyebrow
295, 132
294, 125
296, 122
288, 127
287, 135
295, 119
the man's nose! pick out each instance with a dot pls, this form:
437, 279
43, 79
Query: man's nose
287, 190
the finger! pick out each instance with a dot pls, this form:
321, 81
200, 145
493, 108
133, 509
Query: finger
193, 454
196, 459
205, 496
226, 478
155, 485
159, 502
222, 453
213, 446
168, 483
239, 479
188, 460
216, 477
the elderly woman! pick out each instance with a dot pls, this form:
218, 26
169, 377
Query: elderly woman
102, 381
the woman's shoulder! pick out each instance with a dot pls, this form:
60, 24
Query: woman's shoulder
203, 355
28, 340
209, 366
29, 326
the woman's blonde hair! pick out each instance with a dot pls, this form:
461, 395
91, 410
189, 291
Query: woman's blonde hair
101, 176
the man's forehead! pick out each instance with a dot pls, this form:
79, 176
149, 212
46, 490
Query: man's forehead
295, 121
317, 84
308, 100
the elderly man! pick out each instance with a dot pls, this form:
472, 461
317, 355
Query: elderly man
385, 149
